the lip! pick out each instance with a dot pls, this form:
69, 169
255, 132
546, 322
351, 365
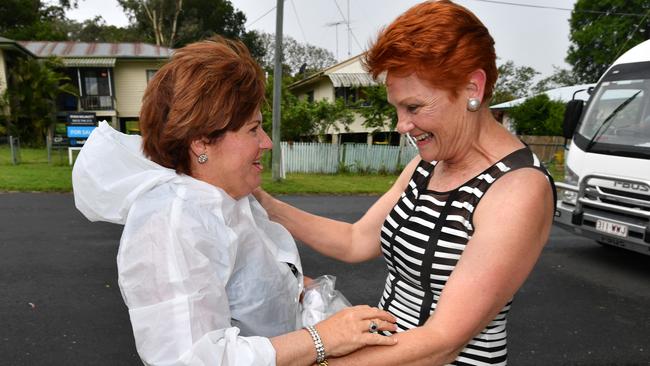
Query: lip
258, 164
420, 141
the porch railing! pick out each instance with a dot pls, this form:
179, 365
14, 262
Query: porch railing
97, 102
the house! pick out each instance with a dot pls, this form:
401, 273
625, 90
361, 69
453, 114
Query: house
111, 77
10, 51
563, 94
345, 80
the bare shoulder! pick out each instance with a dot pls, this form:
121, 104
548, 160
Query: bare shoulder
522, 195
407, 173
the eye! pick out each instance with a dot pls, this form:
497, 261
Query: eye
412, 108
255, 128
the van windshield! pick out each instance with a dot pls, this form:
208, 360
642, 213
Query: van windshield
618, 115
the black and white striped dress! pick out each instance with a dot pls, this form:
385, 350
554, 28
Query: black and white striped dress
423, 238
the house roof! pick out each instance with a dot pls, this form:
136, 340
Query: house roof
6, 43
563, 94
348, 73
96, 50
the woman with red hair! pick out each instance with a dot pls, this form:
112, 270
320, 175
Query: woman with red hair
464, 224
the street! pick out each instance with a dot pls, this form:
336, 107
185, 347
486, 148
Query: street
583, 304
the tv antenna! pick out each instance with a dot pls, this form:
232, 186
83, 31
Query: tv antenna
336, 26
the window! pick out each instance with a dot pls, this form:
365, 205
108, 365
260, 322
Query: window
95, 81
348, 94
351, 95
310, 96
150, 74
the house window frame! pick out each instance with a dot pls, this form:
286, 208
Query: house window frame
150, 74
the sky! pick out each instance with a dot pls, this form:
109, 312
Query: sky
528, 35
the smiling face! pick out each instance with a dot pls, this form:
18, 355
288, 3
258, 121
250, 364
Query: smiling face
437, 124
234, 160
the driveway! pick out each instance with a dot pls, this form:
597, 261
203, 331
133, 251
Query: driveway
60, 305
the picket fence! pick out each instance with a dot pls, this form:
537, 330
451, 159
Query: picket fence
310, 157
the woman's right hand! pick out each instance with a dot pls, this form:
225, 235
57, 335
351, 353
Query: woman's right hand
349, 329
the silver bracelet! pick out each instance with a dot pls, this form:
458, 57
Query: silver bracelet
318, 343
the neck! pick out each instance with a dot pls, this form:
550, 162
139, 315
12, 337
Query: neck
485, 145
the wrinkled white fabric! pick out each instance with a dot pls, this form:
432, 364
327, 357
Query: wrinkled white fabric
205, 277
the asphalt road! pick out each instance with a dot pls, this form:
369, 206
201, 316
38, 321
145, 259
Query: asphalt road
60, 305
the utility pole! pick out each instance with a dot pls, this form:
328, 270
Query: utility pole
349, 31
276, 162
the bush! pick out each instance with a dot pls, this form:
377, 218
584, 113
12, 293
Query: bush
538, 116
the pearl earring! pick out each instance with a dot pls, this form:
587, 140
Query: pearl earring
473, 104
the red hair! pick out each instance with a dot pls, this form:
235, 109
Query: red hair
206, 89
441, 42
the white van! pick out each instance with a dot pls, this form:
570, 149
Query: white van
606, 192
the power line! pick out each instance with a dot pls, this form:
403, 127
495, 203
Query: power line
259, 18
558, 8
298, 20
631, 35
348, 22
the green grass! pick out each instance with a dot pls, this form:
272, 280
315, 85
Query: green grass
35, 174
328, 184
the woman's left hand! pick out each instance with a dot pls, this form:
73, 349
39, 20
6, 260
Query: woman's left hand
350, 329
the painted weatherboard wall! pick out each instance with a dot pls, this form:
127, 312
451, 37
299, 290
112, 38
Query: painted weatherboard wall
3, 78
130, 83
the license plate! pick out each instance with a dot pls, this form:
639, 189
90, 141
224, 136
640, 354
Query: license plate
611, 228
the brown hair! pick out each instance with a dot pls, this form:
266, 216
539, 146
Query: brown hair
206, 89
441, 42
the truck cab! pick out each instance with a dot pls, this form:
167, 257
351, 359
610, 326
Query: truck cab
606, 192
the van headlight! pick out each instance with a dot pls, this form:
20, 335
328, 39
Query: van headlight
571, 178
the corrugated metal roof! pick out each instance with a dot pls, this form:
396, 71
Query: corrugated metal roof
87, 49
563, 94
11, 44
351, 79
89, 62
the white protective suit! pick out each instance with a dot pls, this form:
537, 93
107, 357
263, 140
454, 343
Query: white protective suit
205, 276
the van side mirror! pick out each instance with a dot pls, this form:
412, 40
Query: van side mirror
572, 115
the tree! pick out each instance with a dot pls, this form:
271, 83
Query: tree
513, 82
175, 23
159, 18
538, 116
295, 55
34, 86
559, 78
96, 30
601, 30
34, 20
302, 119
375, 109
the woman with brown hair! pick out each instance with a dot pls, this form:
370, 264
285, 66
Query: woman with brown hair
464, 224
207, 278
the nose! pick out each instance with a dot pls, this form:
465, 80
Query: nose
404, 124
265, 141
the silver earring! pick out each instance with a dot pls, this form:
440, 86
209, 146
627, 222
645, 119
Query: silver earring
473, 104
203, 158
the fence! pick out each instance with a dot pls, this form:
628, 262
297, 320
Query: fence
307, 157
547, 148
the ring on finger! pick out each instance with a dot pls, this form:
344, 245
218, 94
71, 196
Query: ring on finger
373, 327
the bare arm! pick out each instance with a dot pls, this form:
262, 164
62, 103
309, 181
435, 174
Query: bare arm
496, 261
341, 334
341, 240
